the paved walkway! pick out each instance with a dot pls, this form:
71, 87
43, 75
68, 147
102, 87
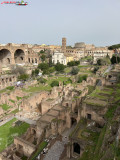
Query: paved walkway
6, 120
56, 150
29, 121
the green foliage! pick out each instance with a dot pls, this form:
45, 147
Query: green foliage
45, 72
15, 111
81, 78
67, 81
87, 58
90, 89
74, 70
51, 69
50, 62
42, 80
5, 107
23, 77
54, 83
95, 69
73, 63
115, 59
10, 88
104, 61
7, 133
18, 98
114, 47
11, 100
42, 51
43, 57
35, 72
43, 66
59, 67
39, 150
110, 112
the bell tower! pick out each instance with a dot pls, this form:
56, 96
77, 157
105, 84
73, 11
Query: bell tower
63, 45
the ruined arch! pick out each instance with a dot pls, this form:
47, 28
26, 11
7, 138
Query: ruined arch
5, 57
99, 82
76, 148
73, 121
19, 56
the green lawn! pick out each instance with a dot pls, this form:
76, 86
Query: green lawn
39, 88
7, 133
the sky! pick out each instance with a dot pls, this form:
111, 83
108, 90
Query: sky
47, 21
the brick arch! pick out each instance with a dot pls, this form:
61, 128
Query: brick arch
19, 55
5, 56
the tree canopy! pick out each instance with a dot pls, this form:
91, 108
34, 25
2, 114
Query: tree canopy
59, 67
43, 66
116, 46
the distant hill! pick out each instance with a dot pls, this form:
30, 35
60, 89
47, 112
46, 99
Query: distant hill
116, 46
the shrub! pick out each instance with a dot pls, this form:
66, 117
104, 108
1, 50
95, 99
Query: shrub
42, 80
23, 77
43, 66
45, 72
43, 57
51, 69
67, 82
81, 78
115, 59
59, 67
54, 83
95, 69
74, 70
73, 63
35, 72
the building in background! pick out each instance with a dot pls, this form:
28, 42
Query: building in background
58, 57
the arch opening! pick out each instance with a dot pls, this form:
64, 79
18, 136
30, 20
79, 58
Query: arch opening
76, 148
5, 57
73, 121
32, 61
29, 60
19, 56
98, 82
35, 60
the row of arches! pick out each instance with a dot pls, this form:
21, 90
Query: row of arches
32, 60
19, 57
5, 56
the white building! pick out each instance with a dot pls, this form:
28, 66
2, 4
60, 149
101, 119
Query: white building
98, 54
58, 57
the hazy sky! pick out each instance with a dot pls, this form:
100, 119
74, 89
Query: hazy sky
47, 21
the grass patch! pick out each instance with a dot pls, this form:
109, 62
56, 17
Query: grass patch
7, 133
18, 98
3, 90
10, 88
38, 88
61, 79
5, 107
39, 150
110, 112
11, 100
15, 111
